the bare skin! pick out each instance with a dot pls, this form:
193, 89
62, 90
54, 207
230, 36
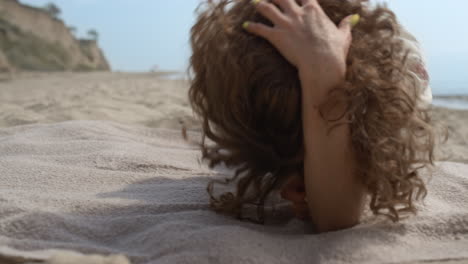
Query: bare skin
310, 41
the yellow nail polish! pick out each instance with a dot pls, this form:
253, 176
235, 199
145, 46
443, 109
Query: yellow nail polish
355, 20
254, 2
245, 24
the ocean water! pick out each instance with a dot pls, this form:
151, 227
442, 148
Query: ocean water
453, 99
459, 102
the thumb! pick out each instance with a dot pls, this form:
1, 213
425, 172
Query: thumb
346, 26
349, 22
294, 190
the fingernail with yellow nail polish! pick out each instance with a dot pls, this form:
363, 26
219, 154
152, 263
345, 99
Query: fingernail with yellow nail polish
355, 19
254, 2
246, 24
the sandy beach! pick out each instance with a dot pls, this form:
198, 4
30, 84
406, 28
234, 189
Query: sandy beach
145, 99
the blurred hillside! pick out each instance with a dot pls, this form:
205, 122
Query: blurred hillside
33, 39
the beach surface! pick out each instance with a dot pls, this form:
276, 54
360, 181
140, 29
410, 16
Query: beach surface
146, 99
154, 100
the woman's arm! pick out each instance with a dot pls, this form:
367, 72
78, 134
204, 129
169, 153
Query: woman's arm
309, 40
334, 195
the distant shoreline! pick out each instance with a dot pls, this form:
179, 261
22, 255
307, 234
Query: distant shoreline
455, 102
452, 101
462, 97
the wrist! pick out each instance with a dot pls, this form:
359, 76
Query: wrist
323, 75
322, 96
316, 86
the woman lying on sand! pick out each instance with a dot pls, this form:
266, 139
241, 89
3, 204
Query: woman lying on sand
324, 101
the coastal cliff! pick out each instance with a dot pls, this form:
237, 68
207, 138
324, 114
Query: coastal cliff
33, 40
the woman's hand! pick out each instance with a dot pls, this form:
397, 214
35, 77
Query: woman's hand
294, 191
307, 38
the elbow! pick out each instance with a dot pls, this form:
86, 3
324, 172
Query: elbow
338, 217
329, 225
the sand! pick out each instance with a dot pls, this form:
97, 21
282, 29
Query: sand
146, 99
456, 122
153, 100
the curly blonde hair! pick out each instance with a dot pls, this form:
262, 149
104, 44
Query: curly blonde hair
248, 98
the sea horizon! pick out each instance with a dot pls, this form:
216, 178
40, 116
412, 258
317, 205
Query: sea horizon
459, 101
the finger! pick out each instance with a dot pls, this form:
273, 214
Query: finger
301, 212
271, 12
306, 2
293, 196
348, 23
295, 182
259, 29
288, 6
345, 26
298, 2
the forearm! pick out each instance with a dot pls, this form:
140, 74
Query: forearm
334, 194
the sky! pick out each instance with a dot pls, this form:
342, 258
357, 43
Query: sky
137, 35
